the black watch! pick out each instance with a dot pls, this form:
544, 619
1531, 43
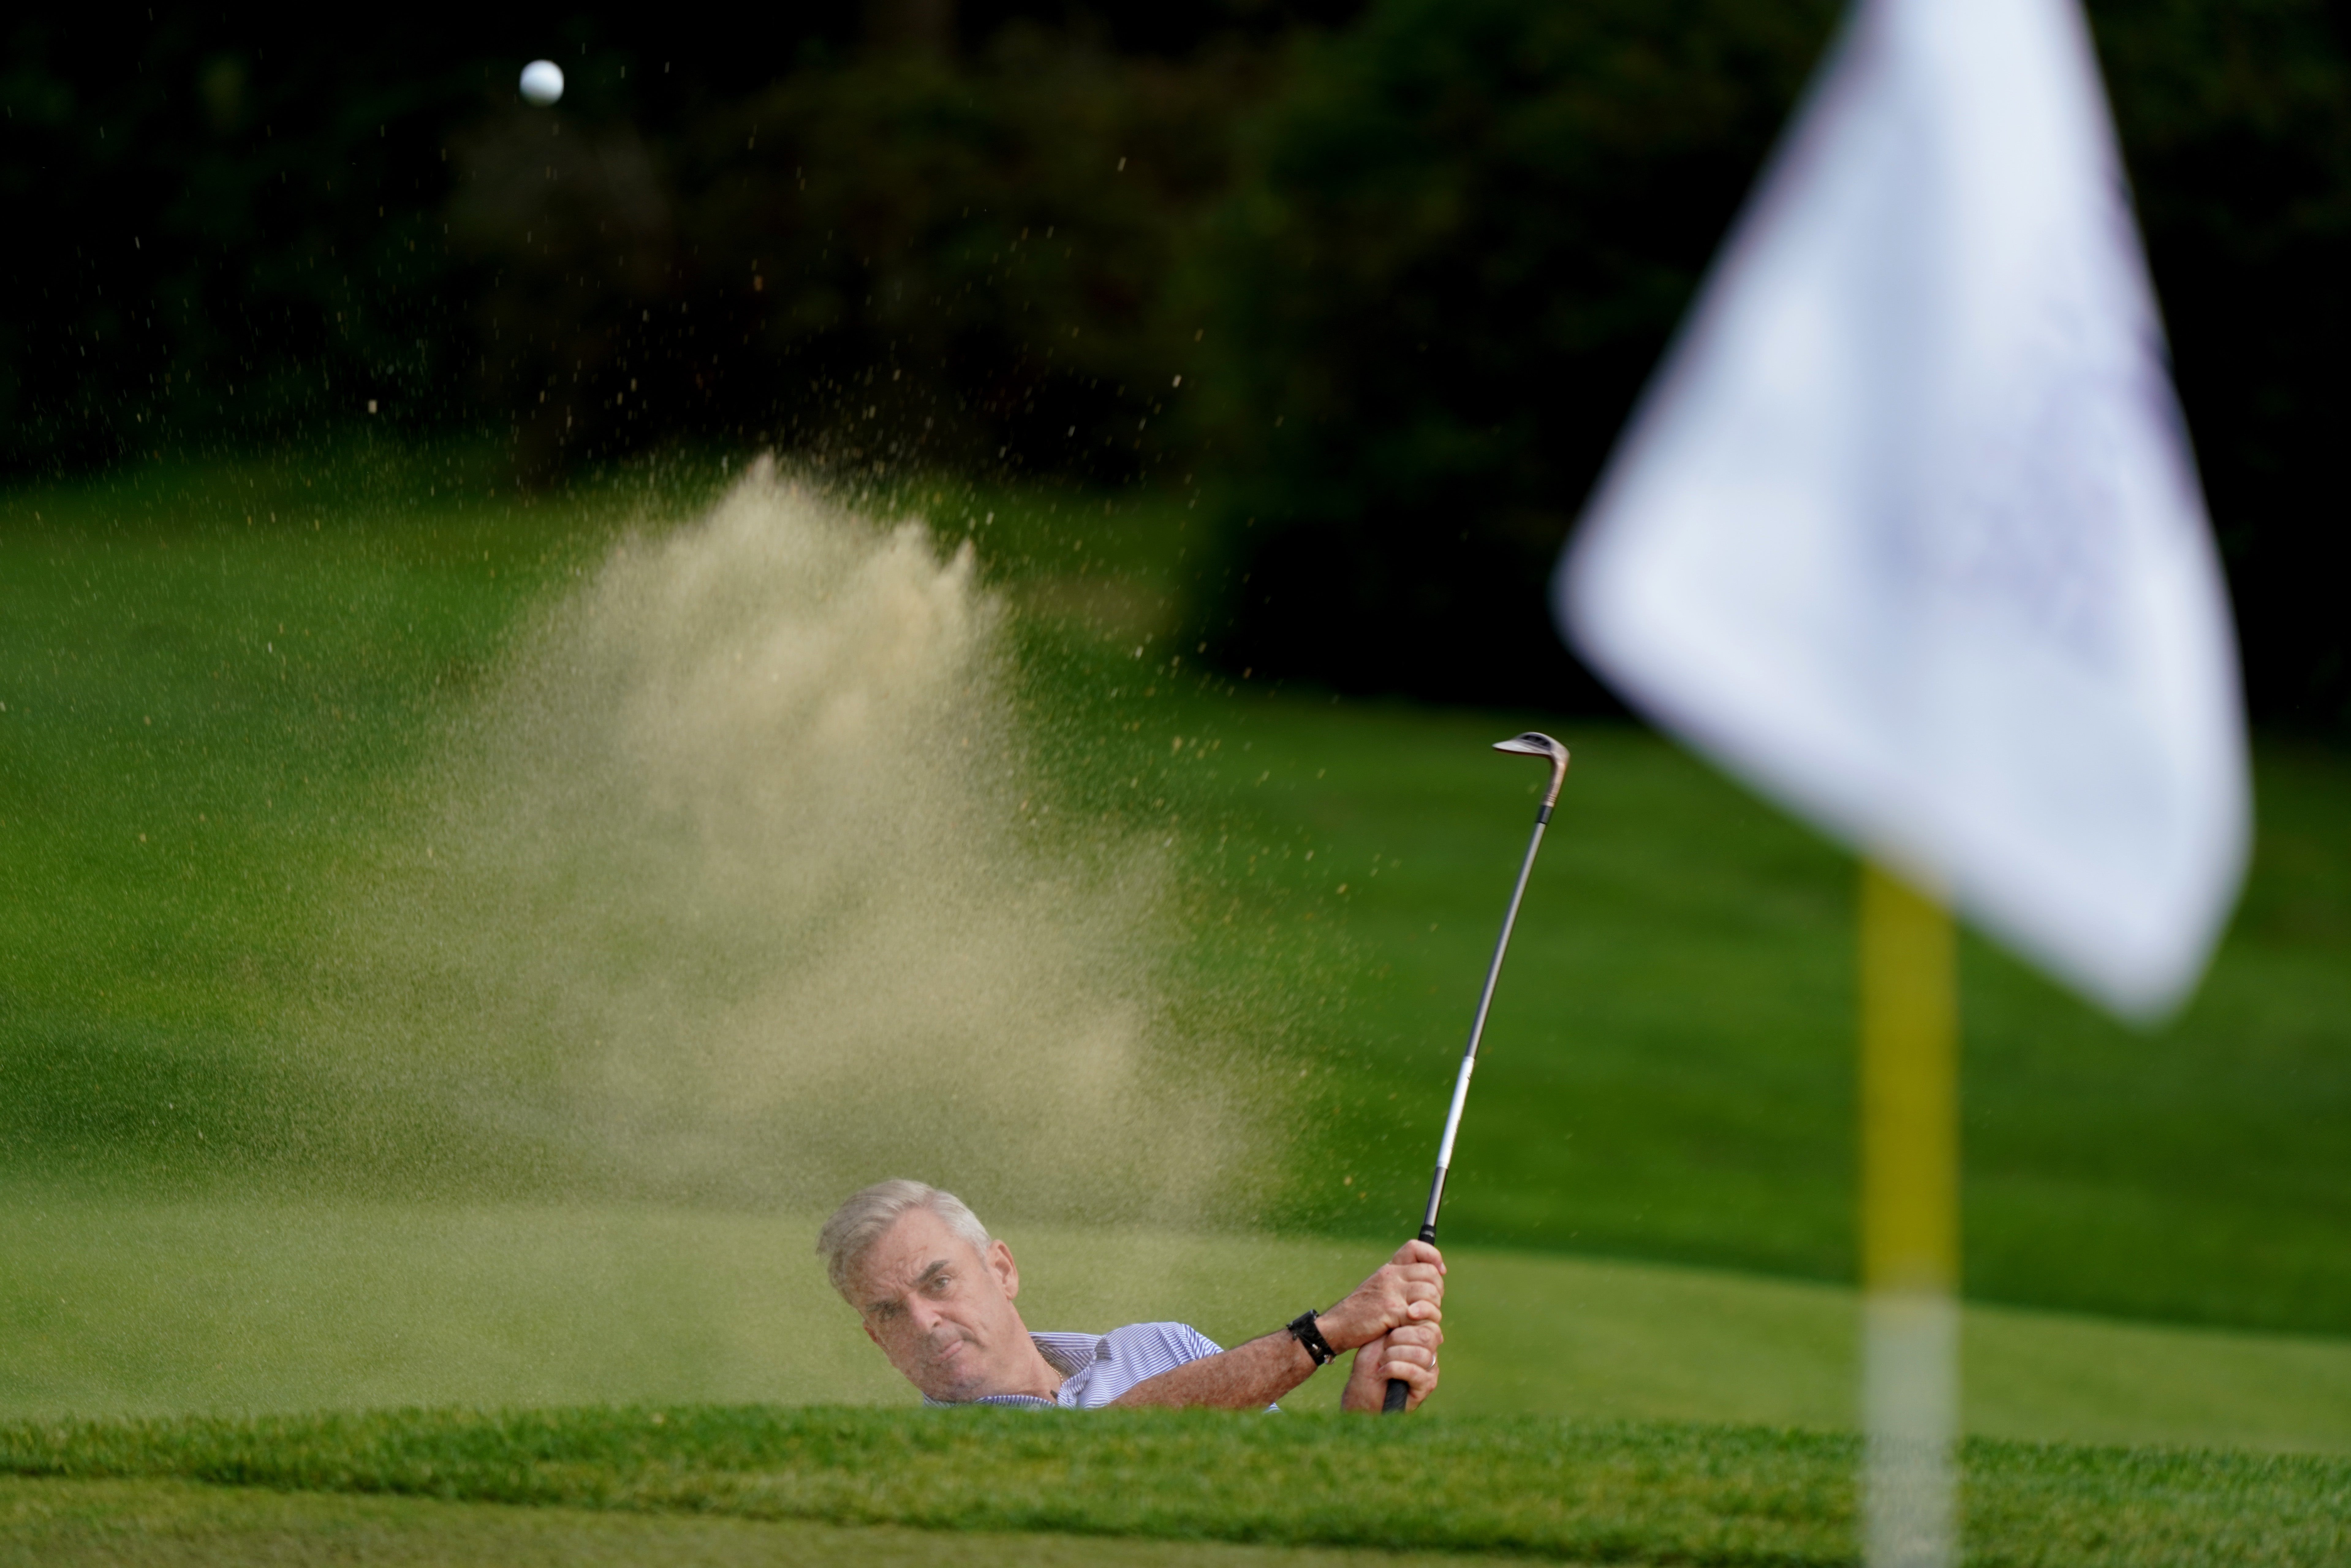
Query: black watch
1303, 1330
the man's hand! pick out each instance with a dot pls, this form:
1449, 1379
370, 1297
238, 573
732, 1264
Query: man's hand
1407, 1289
1390, 1322
1408, 1352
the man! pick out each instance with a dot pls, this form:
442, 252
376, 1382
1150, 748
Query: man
936, 1293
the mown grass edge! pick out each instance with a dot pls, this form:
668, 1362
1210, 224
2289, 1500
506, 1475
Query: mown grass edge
1614, 1492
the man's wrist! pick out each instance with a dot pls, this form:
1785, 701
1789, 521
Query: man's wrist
1338, 1333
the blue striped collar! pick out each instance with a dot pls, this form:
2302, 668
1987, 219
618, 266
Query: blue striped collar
1067, 1353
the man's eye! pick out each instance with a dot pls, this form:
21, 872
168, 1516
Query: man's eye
940, 1283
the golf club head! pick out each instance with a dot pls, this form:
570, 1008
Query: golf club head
1534, 743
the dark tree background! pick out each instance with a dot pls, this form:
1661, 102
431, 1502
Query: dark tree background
1468, 227
228, 232
1413, 260
1463, 237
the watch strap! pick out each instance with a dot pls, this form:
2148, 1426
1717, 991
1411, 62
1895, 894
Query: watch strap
1303, 1330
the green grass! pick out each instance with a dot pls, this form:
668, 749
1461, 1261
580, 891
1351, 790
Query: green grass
1614, 1492
218, 685
219, 682
179, 1524
1668, 1069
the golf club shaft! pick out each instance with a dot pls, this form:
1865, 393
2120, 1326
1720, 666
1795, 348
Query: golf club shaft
1397, 1392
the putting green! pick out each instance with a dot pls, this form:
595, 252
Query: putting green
120, 1306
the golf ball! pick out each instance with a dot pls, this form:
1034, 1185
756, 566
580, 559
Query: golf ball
542, 82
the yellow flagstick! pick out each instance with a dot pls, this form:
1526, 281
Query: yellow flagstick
1909, 1226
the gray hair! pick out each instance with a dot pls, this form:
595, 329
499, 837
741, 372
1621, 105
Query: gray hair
858, 1224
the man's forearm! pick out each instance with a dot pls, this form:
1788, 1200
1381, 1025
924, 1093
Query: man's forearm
1247, 1377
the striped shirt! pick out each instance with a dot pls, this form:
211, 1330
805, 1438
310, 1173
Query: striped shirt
1097, 1368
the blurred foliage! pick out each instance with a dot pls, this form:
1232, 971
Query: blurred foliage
891, 259
1462, 238
208, 246
1464, 234
868, 251
1384, 281
2236, 120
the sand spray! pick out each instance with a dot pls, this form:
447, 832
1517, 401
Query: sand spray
742, 882
756, 867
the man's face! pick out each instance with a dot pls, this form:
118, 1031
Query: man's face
942, 1312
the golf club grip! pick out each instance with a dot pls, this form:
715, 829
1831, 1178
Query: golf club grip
1399, 1391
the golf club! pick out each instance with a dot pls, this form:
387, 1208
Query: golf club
1530, 744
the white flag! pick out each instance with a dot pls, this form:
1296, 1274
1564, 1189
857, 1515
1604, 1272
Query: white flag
1906, 532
